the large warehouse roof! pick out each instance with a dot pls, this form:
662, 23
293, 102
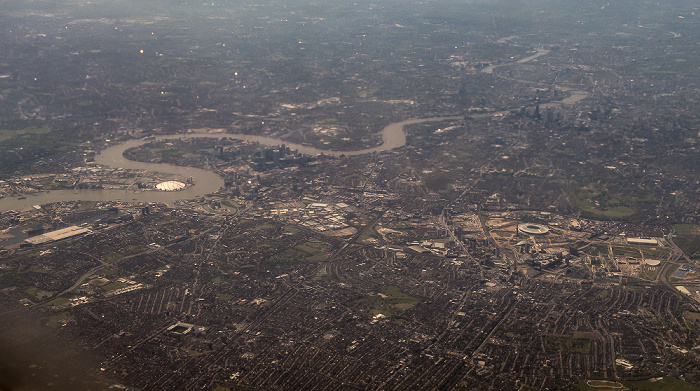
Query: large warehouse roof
645, 241
57, 235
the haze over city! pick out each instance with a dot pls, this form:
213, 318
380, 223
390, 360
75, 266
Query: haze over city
373, 195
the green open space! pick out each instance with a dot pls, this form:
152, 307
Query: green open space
127, 251
98, 282
669, 65
598, 385
651, 384
510, 333
567, 344
164, 222
224, 297
603, 294
6, 134
113, 286
368, 233
660, 253
39, 140
59, 301
690, 244
231, 204
196, 353
107, 272
692, 319
687, 238
649, 273
596, 249
687, 229
291, 229
263, 226
503, 234
437, 181
665, 384
389, 301
311, 248
56, 320
622, 250
593, 200
168, 153
358, 177
307, 252
31, 291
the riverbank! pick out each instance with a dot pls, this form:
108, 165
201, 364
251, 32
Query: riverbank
206, 182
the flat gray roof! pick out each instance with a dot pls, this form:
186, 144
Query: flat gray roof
57, 235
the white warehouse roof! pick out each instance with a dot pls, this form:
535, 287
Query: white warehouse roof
647, 241
57, 235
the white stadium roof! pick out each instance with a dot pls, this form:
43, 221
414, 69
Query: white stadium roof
170, 186
533, 229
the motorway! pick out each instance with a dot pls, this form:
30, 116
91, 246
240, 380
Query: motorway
673, 263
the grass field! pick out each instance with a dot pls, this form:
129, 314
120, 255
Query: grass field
621, 250
437, 181
263, 226
567, 344
368, 235
669, 65
665, 384
503, 234
107, 272
606, 384
598, 385
197, 353
59, 301
113, 286
168, 153
687, 229
129, 250
307, 252
653, 384
690, 244
291, 229
596, 201
224, 297
57, 320
659, 253
596, 249
389, 301
688, 239
6, 134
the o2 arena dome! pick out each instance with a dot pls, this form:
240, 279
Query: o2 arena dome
170, 186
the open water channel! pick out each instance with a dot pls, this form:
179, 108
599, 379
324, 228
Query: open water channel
206, 182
